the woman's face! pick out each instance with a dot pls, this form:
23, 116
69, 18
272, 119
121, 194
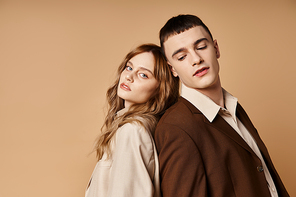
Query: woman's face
137, 83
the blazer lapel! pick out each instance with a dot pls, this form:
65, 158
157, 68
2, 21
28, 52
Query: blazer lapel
243, 117
221, 125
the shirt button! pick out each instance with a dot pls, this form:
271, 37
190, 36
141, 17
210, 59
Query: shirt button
260, 169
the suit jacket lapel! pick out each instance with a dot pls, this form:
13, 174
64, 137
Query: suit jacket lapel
243, 117
221, 125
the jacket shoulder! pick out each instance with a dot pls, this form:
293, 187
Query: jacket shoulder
181, 114
134, 132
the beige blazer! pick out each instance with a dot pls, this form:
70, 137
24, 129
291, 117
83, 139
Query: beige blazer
132, 170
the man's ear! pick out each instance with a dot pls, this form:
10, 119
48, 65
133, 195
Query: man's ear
217, 49
172, 70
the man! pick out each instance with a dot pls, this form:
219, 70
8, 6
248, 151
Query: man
207, 145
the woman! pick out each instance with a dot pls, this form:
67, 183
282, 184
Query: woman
128, 162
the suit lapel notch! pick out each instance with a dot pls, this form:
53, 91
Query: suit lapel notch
221, 125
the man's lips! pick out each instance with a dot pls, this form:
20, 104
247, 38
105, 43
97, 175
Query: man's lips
201, 72
125, 87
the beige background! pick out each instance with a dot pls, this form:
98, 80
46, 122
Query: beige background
57, 59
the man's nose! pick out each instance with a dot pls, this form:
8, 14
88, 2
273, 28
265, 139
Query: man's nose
196, 59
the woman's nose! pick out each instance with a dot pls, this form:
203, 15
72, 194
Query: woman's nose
129, 77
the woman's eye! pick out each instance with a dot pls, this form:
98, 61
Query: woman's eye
143, 75
128, 68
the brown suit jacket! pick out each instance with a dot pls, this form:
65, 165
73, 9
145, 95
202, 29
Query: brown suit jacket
199, 158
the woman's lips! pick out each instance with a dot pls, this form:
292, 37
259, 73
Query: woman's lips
125, 87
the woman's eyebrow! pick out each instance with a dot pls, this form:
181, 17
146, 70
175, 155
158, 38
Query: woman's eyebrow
143, 68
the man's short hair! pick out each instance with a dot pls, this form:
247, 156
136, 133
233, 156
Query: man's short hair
179, 24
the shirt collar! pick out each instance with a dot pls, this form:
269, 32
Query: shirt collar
121, 112
208, 107
230, 103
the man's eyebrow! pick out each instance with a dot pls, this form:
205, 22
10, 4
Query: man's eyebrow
178, 51
200, 40
183, 49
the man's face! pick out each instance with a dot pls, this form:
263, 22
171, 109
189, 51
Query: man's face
193, 56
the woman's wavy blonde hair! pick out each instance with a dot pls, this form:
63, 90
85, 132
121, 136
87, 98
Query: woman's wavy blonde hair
147, 114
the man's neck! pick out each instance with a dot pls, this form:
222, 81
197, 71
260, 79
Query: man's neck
215, 93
